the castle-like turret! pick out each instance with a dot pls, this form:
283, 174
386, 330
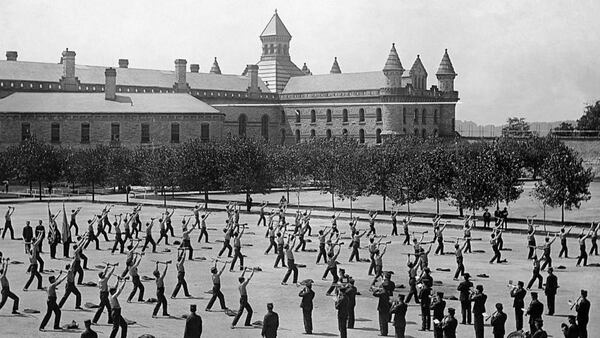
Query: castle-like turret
215, 69
393, 69
418, 74
446, 74
335, 67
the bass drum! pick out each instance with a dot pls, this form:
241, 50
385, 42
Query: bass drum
516, 334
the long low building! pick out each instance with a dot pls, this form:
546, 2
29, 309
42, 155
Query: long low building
70, 104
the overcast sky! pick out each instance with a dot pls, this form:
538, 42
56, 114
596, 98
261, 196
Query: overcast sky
534, 59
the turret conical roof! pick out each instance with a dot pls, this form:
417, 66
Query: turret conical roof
418, 66
335, 68
393, 61
446, 67
215, 69
275, 27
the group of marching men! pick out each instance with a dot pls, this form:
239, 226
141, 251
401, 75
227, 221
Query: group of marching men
283, 238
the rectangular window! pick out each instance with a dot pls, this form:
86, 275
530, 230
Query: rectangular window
145, 133
85, 133
175, 133
25, 131
115, 132
204, 132
55, 133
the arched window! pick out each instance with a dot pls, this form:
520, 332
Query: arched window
416, 117
328, 134
345, 115
297, 135
361, 136
282, 136
298, 116
344, 132
361, 115
424, 117
328, 115
378, 115
264, 127
283, 117
242, 121
424, 132
313, 116
378, 135
435, 116
312, 133
404, 116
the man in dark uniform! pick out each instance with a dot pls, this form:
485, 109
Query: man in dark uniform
465, 303
383, 308
478, 299
438, 306
449, 324
351, 293
270, 323
88, 333
497, 320
583, 314
307, 295
399, 309
193, 324
487, 217
535, 311
539, 331
571, 330
550, 290
425, 301
518, 294
341, 305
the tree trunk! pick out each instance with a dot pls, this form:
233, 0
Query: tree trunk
408, 208
350, 207
205, 198
40, 192
164, 196
437, 206
333, 201
126, 197
93, 197
562, 212
287, 193
383, 203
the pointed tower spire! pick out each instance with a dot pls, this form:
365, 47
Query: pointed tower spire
275, 27
335, 68
215, 69
306, 70
418, 74
393, 71
446, 74
393, 61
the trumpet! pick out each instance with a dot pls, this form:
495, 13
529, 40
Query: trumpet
574, 303
488, 317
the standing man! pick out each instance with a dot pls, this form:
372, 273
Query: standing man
88, 333
383, 309
160, 290
8, 223
118, 320
244, 305
73, 222
487, 217
6, 293
571, 330
71, 288
399, 309
51, 303
497, 321
237, 250
424, 296
203, 230
216, 290
27, 236
149, 239
181, 277
518, 294
550, 290
394, 223
135, 278
464, 297
270, 323
103, 278
40, 232
291, 264
478, 300
33, 266
341, 305
193, 324
583, 313
306, 304
535, 311
449, 324
438, 306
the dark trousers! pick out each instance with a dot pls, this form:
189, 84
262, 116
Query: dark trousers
237, 254
66, 247
547, 262
468, 246
149, 240
51, 307
102, 231
412, 292
280, 258
53, 250
6, 294
384, 317
291, 268
322, 253
354, 254
216, 293
497, 255
372, 264
400, 330
227, 246
185, 244
163, 234
531, 251
460, 270
532, 328
71, 289
582, 328
593, 250
550, 301
519, 318
91, 238
342, 326
563, 249
307, 316
426, 316
301, 245
582, 257
406, 238
73, 224
118, 321
8, 226
203, 233
351, 317
272, 244
478, 325
440, 248
34, 273
536, 275
104, 303
181, 283
243, 306
162, 301
170, 228
119, 241
84, 259
262, 219
394, 228
40, 262
465, 311
137, 284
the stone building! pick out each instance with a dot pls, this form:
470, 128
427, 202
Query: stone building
273, 99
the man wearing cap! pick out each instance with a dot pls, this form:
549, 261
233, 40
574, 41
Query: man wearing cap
438, 306
88, 333
399, 309
465, 303
571, 330
535, 311
478, 299
341, 305
539, 331
383, 308
425, 300
550, 290
498, 320
351, 293
307, 295
518, 294
193, 324
583, 314
270, 323
449, 324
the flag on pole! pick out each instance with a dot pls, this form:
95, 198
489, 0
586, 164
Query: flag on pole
66, 232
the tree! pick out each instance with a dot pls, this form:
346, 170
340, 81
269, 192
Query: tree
352, 176
563, 129
438, 170
158, 167
245, 166
534, 152
409, 178
123, 169
7, 170
90, 166
288, 165
199, 166
564, 181
590, 119
508, 164
380, 161
516, 127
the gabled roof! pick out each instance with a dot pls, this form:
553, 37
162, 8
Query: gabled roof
336, 82
446, 67
94, 75
417, 66
275, 27
27, 102
215, 69
393, 61
335, 67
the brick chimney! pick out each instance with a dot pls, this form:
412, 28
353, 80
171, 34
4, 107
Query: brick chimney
11, 55
110, 87
181, 85
194, 68
69, 82
253, 74
123, 63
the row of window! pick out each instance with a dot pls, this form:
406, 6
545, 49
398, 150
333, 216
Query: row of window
115, 132
264, 126
361, 116
361, 134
